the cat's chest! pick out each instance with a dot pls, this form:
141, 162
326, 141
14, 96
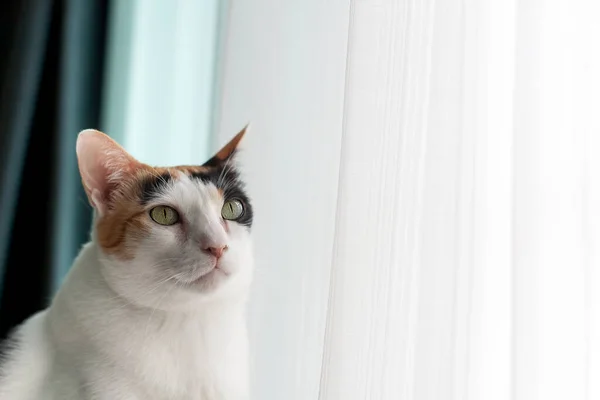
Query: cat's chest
186, 363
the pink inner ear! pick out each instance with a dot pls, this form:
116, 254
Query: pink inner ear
102, 163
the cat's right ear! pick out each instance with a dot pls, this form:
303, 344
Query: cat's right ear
103, 163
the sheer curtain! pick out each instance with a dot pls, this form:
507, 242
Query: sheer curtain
161, 72
427, 186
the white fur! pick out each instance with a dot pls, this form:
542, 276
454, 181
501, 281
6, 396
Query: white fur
133, 329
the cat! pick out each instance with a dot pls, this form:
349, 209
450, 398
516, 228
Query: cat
153, 306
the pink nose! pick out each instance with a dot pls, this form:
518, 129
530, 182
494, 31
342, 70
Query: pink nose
216, 251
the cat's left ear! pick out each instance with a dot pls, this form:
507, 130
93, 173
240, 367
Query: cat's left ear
228, 151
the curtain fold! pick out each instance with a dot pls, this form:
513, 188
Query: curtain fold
25, 26
51, 88
81, 75
284, 71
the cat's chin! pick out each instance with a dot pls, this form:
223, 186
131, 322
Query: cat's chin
209, 281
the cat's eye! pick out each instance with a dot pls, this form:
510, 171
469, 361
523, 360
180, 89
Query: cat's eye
164, 215
232, 210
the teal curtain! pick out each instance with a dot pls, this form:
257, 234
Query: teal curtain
23, 43
51, 80
81, 74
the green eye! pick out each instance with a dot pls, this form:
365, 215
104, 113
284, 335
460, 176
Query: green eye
164, 215
232, 210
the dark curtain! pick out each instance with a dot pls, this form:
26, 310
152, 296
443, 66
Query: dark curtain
51, 79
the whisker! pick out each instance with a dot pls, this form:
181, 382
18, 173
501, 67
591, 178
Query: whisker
228, 167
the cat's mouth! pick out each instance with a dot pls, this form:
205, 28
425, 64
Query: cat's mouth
214, 274
210, 279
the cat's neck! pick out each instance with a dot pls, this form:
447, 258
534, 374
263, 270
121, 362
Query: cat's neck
87, 299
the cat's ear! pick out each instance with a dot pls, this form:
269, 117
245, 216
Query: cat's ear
227, 151
103, 163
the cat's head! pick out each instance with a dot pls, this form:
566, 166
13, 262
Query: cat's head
168, 235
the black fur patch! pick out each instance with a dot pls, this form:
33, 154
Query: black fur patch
226, 178
152, 186
213, 162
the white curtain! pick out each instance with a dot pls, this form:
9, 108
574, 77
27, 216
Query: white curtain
426, 177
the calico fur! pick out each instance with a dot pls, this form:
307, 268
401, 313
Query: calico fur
146, 311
